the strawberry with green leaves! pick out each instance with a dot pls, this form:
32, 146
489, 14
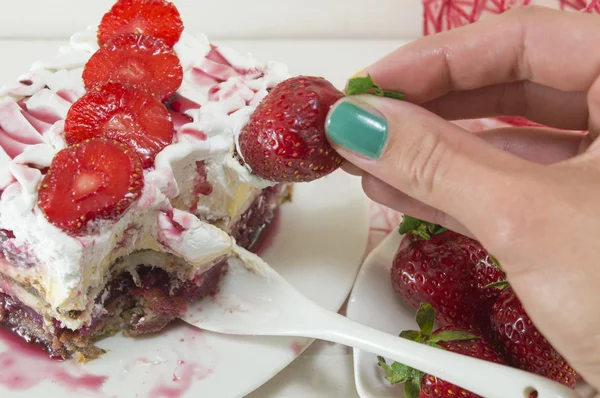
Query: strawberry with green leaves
448, 270
460, 341
285, 140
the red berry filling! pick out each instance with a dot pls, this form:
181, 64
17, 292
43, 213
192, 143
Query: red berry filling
141, 61
122, 113
158, 18
97, 179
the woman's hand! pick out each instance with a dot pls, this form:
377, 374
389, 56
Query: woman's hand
531, 196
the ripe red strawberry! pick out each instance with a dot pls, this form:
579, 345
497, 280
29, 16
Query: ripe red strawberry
122, 113
97, 179
141, 61
525, 347
418, 384
284, 140
158, 18
448, 270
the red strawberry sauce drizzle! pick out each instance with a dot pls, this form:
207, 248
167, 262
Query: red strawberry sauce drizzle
22, 355
16, 131
201, 186
296, 348
216, 69
183, 377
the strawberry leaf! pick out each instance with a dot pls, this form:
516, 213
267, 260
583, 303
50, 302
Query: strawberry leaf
362, 85
434, 345
495, 261
411, 335
393, 94
501, 285
451, 335
366, 85
397, 372
412, 388
426, 318
420, 228
409, 224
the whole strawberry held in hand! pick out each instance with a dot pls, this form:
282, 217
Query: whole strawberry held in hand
419, 384
448, 270
285, 140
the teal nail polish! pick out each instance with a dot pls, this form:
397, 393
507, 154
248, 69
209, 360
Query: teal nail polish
357, 130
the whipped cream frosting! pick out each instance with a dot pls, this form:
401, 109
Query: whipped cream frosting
220, 90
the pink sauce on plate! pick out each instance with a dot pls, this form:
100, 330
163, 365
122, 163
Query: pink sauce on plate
25, 365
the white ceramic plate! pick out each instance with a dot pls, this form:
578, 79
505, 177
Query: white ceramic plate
318, 248
373, 302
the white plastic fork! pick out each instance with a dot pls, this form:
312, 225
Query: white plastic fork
256, 300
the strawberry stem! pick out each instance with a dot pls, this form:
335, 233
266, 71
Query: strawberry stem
420, 228
399, 373
412, 378
366, 85
426, 319
500, 285
495, 262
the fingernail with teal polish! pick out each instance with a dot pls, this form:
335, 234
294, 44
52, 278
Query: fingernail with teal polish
357, 129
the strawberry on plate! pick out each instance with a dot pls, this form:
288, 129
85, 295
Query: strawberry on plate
525, 347
284, 140
122, 113
142, 61
97, 179
158, 18
448, 270
460, 341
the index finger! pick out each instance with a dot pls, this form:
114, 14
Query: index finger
546, 46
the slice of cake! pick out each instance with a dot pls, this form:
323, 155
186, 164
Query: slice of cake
132, 167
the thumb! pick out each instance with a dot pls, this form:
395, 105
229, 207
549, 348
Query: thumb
426, 157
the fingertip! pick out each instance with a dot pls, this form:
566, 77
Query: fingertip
351, 168
356, 128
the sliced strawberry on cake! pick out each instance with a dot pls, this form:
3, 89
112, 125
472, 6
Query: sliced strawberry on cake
96, 179
142, 61
125, 114
158, 18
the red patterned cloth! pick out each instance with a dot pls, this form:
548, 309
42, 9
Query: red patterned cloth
440, 15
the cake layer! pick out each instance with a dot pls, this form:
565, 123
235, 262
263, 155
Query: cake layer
193, 197
13, 269
144, 292
141, 301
